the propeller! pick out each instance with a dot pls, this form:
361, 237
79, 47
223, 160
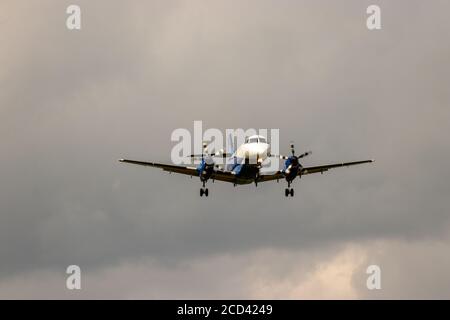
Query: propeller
218, 154
205, 149
292, 164
204, 152
293, 154
207, 157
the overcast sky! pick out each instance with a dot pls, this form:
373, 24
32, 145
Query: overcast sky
73, 102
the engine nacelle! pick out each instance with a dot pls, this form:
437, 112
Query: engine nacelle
205, 170
292, 168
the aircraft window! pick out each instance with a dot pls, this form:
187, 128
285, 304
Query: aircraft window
253, 140
262, 140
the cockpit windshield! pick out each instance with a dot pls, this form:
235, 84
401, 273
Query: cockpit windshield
256, 140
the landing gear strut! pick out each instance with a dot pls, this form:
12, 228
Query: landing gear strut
203, 191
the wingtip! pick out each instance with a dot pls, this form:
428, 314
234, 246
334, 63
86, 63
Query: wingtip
121, 160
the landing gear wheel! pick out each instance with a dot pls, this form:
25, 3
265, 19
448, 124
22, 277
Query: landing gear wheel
204, 192
289, 192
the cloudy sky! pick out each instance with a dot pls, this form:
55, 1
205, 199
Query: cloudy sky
73, 102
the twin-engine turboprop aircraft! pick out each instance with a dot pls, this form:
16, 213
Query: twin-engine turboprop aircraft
243, 166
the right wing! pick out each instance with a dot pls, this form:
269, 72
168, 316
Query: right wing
190, 171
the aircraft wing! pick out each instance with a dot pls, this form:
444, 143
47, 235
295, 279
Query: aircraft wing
308, 170
321, 169
229, 177
190, 171
269, 177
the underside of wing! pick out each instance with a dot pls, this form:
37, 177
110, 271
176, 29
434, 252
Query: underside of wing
191, 171
321, 169
223, 176
231, 178
270, 177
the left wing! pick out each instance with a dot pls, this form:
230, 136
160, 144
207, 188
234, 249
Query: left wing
322, 169
308, 170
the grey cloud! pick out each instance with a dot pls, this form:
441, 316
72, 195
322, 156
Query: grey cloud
72, 103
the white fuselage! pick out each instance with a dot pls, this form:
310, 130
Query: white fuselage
253, 151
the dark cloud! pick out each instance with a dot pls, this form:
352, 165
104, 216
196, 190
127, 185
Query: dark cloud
72, 103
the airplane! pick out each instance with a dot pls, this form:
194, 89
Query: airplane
239, 168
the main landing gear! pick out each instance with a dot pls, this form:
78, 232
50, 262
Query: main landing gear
203, 191
289, 191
